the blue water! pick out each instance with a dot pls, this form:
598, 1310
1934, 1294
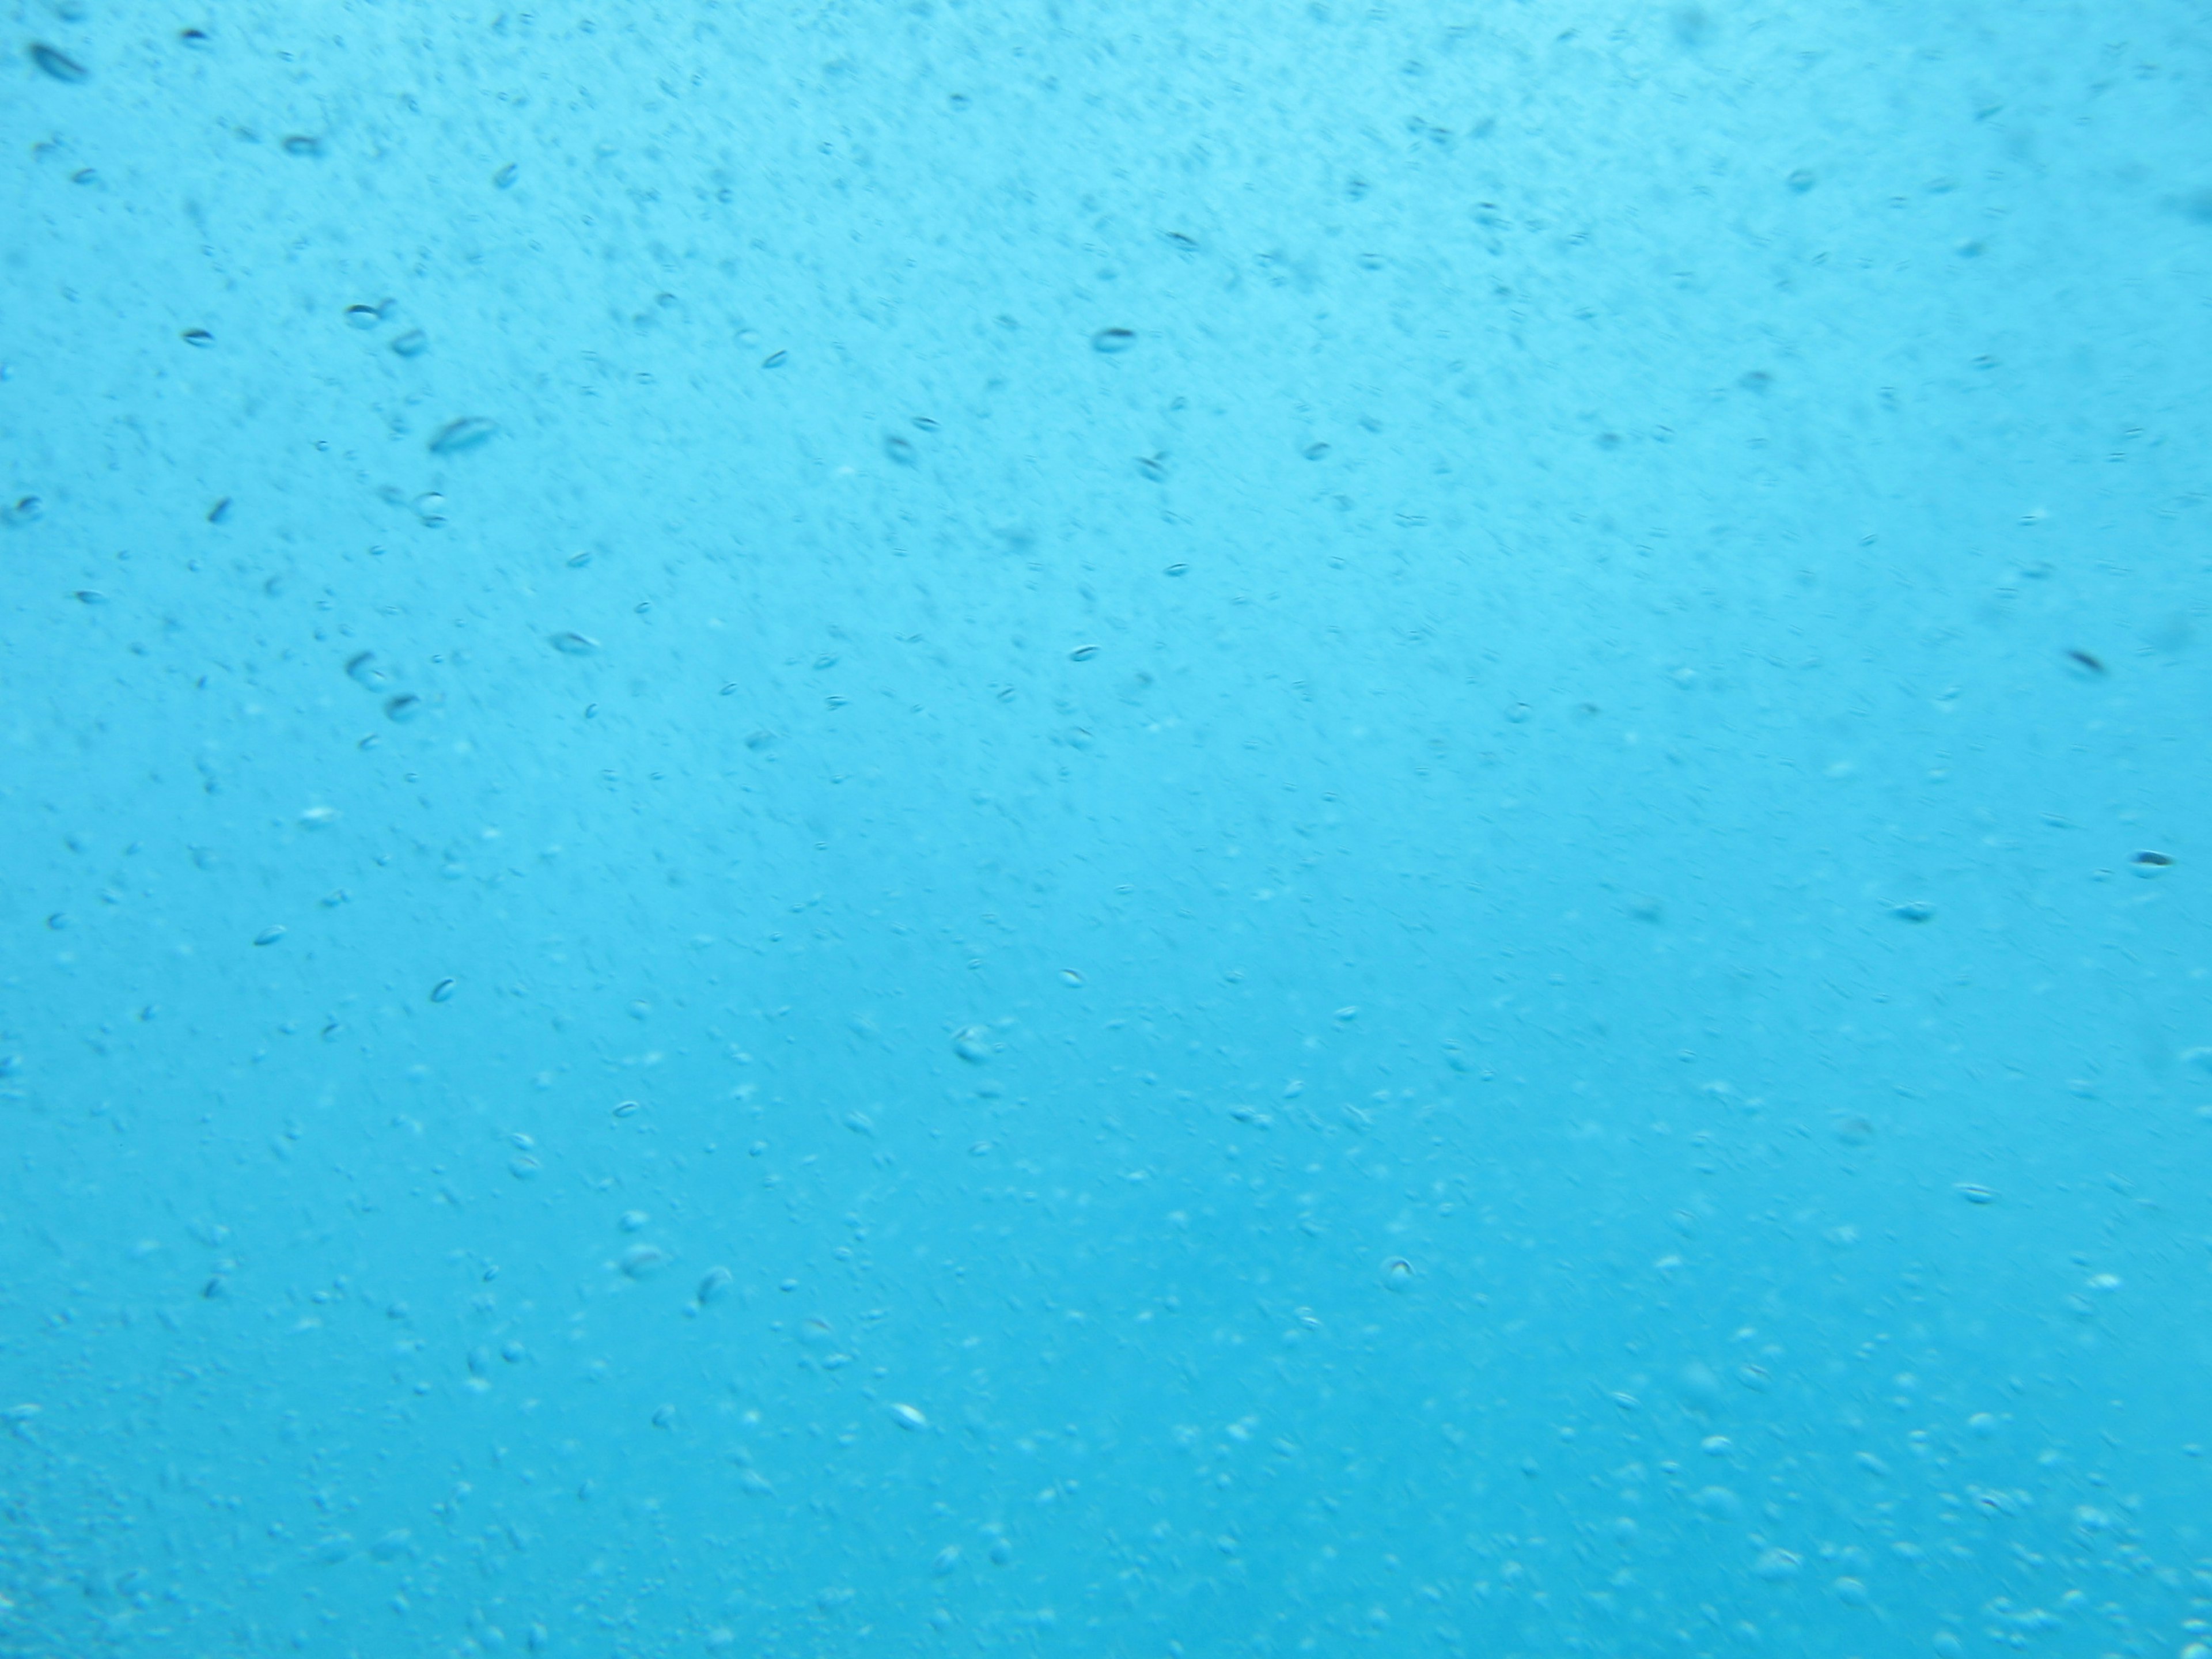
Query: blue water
1210, 829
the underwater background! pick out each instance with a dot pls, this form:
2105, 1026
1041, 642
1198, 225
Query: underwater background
1112, 831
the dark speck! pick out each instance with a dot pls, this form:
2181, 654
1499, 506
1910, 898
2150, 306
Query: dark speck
60, 65
2153, 861
2087, 661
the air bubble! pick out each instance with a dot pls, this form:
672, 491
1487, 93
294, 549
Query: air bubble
443, 989
1112, 340
908, 1417
573, 644
198, 336
973, 1044
714, 1285
269, 935
413, 344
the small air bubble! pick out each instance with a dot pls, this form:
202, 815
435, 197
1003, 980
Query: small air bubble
1083, 653
269, 935
443, 989
573, 644
413, 344
198, 336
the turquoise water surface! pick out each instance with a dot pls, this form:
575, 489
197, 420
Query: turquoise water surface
1203, 830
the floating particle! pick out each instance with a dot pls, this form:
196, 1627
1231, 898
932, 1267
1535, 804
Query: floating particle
641, 1260
198, 336
1914, 910
198, 39
1083, 653
1397, 1272
361, 669
2147, 862
946, 1559
1801, 180
900, 450
713, 1285
89, 596
220, 513
775, 359
973, 1044
1776, 1565
316, 817
391, 1546
1314, 452
60, 65
269, 935
443, 989
25, 509
908, 1417
1176, 570
301, 144
628, 1108
664, 1417
1073, 980
1154, 467
570, 643
1112, 340
505, 178
413, 344
402, 708
1179, 242
1974, 1193
430, 509
633, 1221
2083, 660
458, 437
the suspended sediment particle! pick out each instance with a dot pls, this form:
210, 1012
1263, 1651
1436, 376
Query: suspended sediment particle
470, 432
60, 65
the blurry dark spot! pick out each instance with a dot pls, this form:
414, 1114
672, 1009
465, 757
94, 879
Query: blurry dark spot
2153, 861
2086, 661
301, 144
61, 66
1111, 340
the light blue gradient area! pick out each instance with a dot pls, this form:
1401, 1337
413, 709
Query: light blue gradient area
1208, 829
